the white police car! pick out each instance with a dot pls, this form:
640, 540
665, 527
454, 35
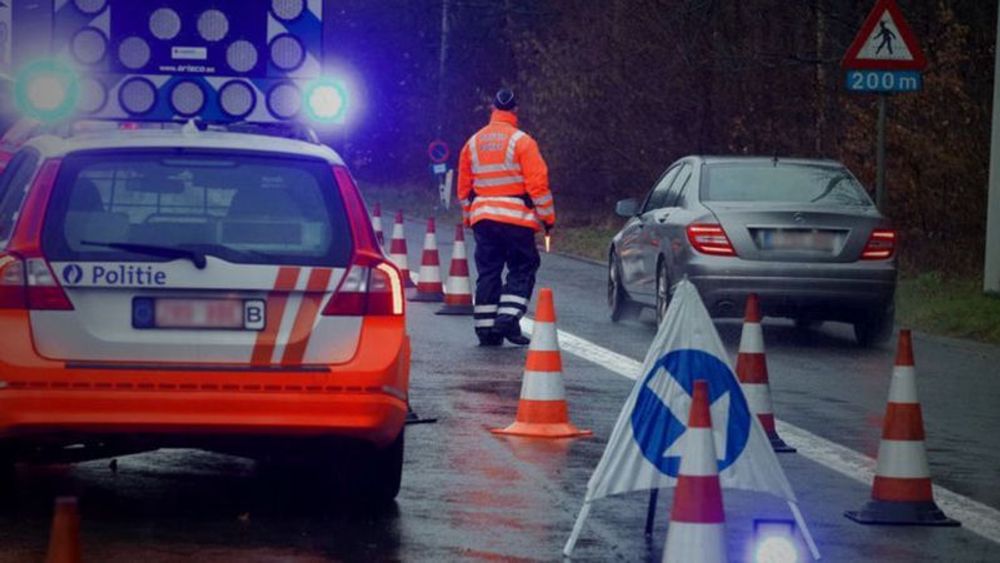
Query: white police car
204, 289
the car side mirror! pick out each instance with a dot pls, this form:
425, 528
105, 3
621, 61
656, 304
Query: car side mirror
627, 208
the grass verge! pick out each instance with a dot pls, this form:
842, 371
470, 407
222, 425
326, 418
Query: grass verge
951, 307
586, 242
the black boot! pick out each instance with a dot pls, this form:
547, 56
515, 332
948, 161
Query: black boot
489, 338
510, 328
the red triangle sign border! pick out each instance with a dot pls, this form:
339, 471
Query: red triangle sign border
851, 60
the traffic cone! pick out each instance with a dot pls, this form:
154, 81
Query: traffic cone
397, 250
458, 293
377, 224
901, 493
751, 369
64, 541
429, 285
697, 529
542, 411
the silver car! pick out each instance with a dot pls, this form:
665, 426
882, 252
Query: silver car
801, 234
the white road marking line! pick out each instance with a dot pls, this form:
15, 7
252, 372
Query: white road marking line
975, 516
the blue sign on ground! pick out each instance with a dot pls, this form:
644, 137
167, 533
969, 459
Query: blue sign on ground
884, 81
655, 427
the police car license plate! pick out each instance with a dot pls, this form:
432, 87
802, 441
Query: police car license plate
217, 314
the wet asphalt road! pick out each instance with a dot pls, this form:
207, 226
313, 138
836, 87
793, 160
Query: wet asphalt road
469, 495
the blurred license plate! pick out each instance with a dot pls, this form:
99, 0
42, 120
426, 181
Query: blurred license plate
219, 314
780, 239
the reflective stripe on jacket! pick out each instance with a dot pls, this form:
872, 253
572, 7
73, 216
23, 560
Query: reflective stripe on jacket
502, 176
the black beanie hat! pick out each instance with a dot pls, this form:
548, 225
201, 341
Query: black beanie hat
505, 99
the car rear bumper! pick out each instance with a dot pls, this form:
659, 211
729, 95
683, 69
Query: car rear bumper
370, 415
821, 292
363, 399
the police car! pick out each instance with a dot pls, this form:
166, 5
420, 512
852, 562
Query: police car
186, 288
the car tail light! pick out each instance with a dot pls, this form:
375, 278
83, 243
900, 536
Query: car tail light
710, 239
385, 290
26, 279
374, 290
372, 286
30, 284
44, 291
881, 245
12, 278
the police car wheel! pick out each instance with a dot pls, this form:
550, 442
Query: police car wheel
376, 475
7, 471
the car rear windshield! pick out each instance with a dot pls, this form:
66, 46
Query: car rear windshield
243, 208
782, 183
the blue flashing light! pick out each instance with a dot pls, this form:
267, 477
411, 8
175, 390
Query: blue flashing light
326, 101
776, 549
774, 541
46, 91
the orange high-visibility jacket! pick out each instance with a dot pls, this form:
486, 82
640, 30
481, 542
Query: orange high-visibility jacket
499, 172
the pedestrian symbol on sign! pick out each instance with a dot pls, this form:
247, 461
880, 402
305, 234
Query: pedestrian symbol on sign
887, 37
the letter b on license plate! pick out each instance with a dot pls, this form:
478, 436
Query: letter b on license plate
253, 314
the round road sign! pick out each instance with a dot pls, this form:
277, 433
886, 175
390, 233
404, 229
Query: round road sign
438, 151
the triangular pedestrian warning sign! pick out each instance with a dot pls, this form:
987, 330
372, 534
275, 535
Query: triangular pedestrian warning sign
885, 42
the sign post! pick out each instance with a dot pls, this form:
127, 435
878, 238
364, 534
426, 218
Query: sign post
991, 270
885, 58
438, 152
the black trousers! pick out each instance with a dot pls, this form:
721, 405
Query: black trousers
500, 245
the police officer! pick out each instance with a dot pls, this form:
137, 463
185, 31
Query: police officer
503, 184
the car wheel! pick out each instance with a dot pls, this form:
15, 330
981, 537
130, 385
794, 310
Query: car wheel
662, 292
619, 305
875, 329
7, 472
377, 474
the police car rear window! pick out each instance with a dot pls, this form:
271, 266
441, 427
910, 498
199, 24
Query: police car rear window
244, 208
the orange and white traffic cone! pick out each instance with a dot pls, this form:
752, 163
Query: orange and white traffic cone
377, 224
542, 411
901, 493
64, 541
751, 369
697, 529
458, 292
429, 289
398, 252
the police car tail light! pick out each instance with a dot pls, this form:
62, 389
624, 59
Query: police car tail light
30, 284
350, 299
385, 290
710, 239
881, 245
43, 290
12, 283
371, 287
